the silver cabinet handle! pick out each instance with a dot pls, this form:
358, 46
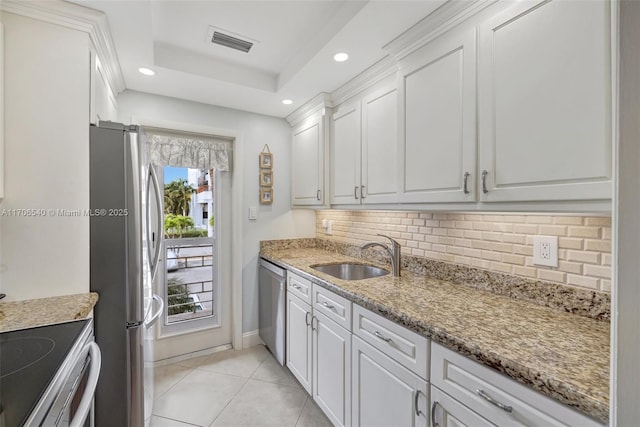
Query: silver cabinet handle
484, 181
318, 195
294, 286
355, 192
434, 423
466, 181
415, 403
383, 338
312, 319
489, 399
329, 306
306, 319
362, 196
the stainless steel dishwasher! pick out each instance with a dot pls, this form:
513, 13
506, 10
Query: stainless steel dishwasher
271, 307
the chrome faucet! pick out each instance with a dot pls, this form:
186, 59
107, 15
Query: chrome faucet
393, 251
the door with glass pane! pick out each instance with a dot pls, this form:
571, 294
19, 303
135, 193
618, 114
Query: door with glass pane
196, 289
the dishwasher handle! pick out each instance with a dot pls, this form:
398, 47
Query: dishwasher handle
280, 272
87, 398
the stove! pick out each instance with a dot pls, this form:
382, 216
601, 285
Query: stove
32, 365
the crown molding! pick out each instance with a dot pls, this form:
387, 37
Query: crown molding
317, 105
443, 19
379, 71
79, 18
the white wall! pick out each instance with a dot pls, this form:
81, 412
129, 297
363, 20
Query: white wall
276, 221
46, 158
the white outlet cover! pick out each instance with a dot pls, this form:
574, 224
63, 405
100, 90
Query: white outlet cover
253, 213
545, 250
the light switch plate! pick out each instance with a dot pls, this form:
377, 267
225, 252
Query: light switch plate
545, 250
253, 213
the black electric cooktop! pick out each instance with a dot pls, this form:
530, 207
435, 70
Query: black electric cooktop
29, 360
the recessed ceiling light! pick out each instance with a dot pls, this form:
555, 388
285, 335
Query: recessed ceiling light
287, 101
146, 71
340, 57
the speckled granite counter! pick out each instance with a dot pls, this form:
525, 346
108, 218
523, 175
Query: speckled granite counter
44, 311
559, 354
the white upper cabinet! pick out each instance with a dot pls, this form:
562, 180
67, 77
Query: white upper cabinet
345, 154
545, 102
364, 149
307, 170
380, 146
102, 104
438, 103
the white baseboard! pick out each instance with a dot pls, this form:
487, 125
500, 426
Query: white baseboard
183, 357
251, 338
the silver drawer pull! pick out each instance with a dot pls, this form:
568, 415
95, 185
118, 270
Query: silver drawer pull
415, 403
329, 306
383, 338
489, 399
434, 423
295, 286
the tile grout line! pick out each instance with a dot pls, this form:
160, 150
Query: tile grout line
302, 411
235, 395
178, 421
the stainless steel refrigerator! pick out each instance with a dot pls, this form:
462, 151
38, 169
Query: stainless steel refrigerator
125, 248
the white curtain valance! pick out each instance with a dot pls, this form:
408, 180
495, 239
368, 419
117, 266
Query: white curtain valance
189, 150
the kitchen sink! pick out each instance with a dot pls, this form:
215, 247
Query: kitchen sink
350, 271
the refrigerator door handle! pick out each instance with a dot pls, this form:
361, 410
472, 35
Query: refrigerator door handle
149, 323
156, 256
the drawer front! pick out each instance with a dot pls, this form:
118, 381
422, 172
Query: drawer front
404, 346
333, 306
497, 398
299, 287
446, 411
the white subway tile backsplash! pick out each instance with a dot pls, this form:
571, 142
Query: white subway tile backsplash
495, 242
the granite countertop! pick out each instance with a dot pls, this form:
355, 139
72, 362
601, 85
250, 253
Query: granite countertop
24, 314
562, 355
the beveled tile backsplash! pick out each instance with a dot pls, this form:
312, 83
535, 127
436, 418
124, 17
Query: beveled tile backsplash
495, 242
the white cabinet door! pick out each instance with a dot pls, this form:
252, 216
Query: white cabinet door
384, 393
332, 369
380, 147
448, 412
545, 102
438, 136
299, 340
307, 174
345, 155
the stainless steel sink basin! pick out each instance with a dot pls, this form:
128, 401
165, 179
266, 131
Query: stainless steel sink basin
349, 271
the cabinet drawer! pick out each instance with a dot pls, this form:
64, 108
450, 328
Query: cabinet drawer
476, 386
299, 287
401, 344
446, 411
333, 306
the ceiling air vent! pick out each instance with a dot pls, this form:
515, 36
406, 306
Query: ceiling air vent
230, 41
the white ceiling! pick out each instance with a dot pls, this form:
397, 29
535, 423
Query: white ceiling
292, 57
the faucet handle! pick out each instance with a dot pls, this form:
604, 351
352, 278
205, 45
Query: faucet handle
393, 241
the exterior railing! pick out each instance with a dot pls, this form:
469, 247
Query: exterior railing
190, 289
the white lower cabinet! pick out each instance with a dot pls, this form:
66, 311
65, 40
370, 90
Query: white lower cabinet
332, 369
319, 351
495, 397
448, 412
384, 392
299, 340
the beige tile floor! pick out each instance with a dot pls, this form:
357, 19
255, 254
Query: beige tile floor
232, 388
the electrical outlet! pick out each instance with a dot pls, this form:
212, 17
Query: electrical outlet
545, 250
329, 228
